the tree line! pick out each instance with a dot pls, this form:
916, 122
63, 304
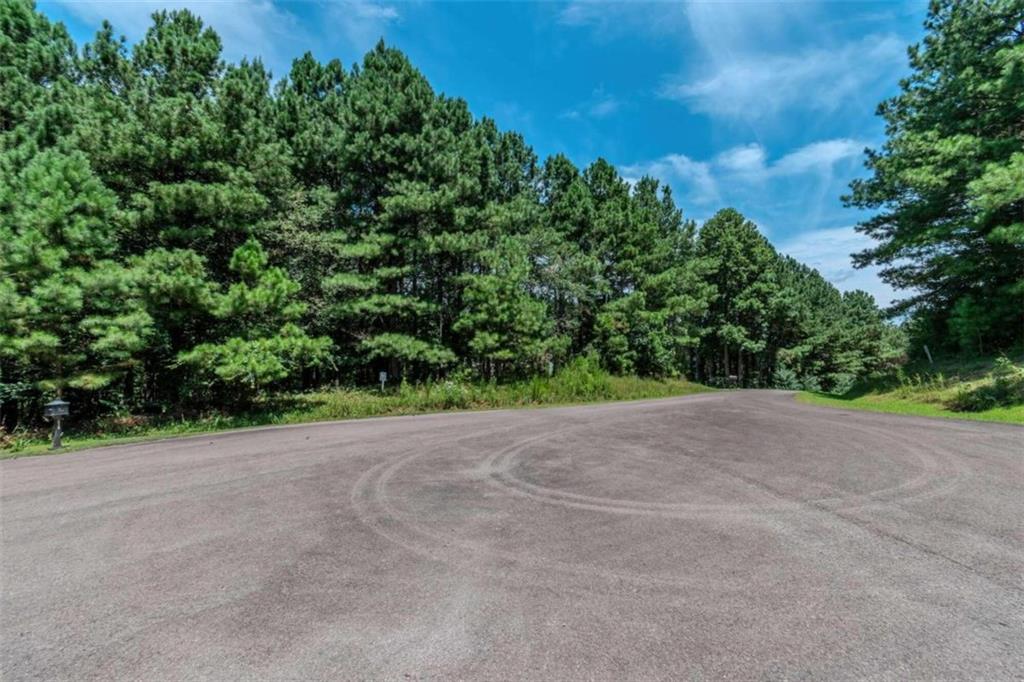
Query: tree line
177, 231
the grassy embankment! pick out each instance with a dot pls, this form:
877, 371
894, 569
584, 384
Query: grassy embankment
985, 389
580, 383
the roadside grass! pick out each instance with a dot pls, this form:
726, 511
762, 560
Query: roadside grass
579, 383
884, 403
980, 389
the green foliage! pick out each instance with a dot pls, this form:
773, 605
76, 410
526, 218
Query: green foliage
949, 181
406, 348
69, 318
265, 345
787, 378
582, 381
990, 389
505, 324
1005, 387
252, 364
745, 283
827, 340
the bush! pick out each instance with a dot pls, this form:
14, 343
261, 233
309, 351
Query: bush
582, 379
1005, 387
842, 383
786, 378
811, 383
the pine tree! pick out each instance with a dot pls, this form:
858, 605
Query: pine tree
412, 175
71, 313
309, 239
508, 327
264, 345
571, 275
188, 145
745, 284
38, 69
70, 316
950, 179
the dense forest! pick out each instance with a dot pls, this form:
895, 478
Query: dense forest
177, 232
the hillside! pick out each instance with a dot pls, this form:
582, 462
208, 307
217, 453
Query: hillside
987, 389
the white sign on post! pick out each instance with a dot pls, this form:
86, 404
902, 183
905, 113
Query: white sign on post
383, 376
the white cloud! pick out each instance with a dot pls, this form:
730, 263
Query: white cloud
828, 251
372, 10
745, 166
580, 14
818, 156
746, 159
362, 22
725, 30
681, 171
756, 59
754, 86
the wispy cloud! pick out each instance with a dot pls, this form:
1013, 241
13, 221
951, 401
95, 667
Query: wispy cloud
680, 171
743, 166
615, 19
373, 10
606, 107
599, 105
756, 86
818, 156
746, 159
750, 161
361, 22
752, 61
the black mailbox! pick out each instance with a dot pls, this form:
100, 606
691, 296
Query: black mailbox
56, 408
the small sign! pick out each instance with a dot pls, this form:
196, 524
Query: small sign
382, 377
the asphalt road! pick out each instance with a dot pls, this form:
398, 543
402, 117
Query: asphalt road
733, 535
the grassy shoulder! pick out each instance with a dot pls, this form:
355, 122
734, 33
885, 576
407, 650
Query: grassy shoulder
980, 389
575, 385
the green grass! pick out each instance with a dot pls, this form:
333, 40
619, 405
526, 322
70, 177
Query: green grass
980, 389
884, 403
577, 384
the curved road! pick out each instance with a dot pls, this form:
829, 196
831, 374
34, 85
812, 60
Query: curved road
729, 535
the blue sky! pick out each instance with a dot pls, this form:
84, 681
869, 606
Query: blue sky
762, 106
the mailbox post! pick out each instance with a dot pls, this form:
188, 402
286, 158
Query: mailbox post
56, 410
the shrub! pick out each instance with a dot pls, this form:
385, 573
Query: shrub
842, 383
786, 378
811, 383
1004, 387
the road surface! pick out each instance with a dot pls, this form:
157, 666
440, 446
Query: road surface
731, 535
